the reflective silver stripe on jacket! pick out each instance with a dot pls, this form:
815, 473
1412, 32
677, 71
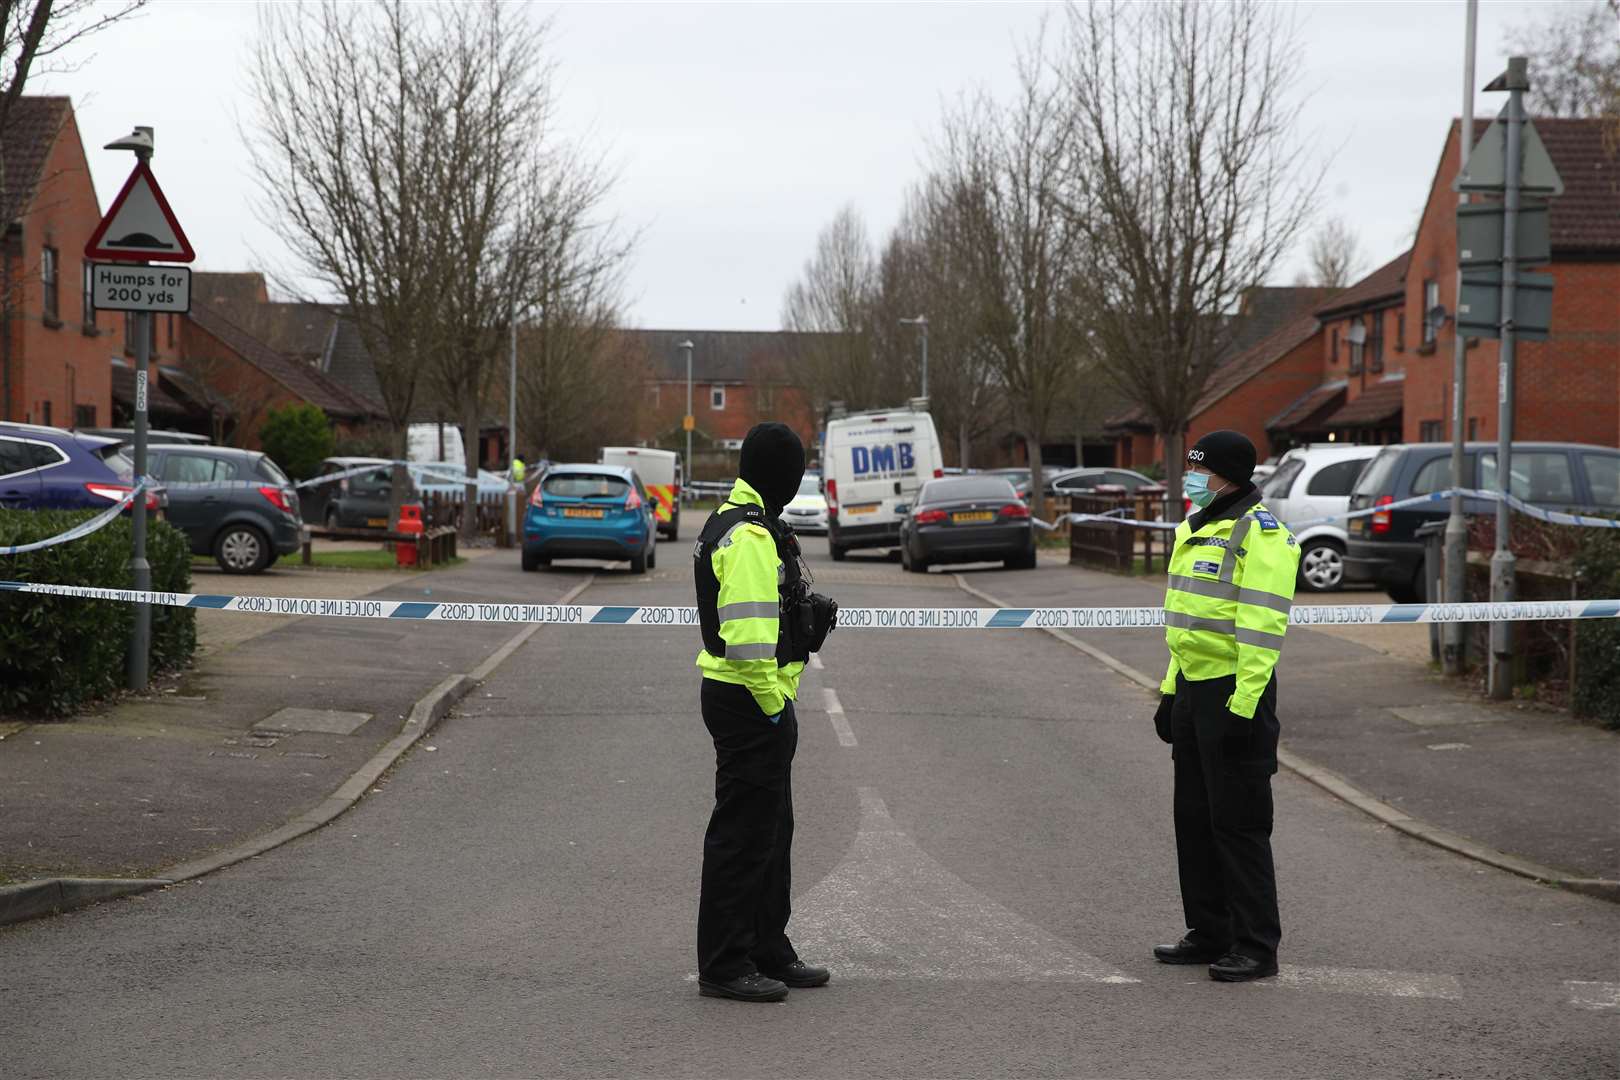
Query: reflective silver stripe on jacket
1202, 587
1261, 598
725, 541
751, 652
1183, 621
750, 609
1246, 636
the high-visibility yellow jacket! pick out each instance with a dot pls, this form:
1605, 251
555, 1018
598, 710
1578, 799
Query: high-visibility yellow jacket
1226, 610
750, 573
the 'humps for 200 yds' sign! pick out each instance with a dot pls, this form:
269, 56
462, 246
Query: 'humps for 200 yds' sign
141, 288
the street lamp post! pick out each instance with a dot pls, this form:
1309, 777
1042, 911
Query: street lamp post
687, 422
511, 436
921, 322
1456, 540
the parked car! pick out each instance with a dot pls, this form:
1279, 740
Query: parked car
807, 513
967, 519
1020, 479
354, 502
1381, 547
1079, 481
153, 436
1312, 482
590, 512
48, 468
236, 505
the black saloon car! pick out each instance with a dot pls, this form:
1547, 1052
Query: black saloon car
967, 519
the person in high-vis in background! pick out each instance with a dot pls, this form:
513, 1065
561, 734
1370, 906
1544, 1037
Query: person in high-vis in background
1232, 577
760, 624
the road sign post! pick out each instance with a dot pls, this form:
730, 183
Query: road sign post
1454, 649
139, 226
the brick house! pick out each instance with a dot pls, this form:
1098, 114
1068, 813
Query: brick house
1568, 387
54, 354
739, 378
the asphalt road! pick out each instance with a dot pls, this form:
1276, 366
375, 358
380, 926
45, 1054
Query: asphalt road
984, 857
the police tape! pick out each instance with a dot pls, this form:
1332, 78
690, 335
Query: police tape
361, 470
1555, 517
83, 528
904, 618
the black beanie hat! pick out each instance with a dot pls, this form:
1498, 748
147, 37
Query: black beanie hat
1228, 454
773, 464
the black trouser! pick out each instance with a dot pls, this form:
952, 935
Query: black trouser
743, 910
1223, 770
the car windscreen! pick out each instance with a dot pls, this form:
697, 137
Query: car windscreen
272, 472
966, 489
1380, 475
585, 486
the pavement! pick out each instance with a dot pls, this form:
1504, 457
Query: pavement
983, 854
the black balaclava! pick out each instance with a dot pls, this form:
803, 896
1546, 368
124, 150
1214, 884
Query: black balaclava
773, 464
1228, 454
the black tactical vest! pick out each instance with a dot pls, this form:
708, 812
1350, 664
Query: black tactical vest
789, 581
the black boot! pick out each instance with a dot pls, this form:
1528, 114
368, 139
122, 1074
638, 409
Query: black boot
800, 974
750, 987
1188, 951
1235, 967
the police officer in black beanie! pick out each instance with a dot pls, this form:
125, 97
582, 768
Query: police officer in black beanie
746, 566
1232, 573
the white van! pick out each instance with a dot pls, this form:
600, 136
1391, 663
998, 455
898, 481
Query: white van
874, 464
660, 472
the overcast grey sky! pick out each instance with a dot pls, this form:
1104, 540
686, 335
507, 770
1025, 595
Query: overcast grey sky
740, 129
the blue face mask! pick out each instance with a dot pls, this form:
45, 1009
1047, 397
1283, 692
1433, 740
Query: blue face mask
1195, 486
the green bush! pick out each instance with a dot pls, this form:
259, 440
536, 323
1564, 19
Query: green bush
298, 438
1597, 642
58, 653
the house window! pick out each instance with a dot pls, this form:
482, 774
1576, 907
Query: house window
1429, 431
48, 277
1335, 355
1431, 300
89, 302
1355, 346
657, 393
1400, 331
717, 398
1473, 428
84, 416
1375, 344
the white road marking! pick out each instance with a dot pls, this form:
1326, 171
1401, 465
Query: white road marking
835, 713
815, 662
890, 911
1401, 984
1593, 995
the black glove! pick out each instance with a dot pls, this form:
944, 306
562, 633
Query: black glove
1161, 719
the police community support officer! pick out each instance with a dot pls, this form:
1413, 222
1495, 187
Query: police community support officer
1226, 610
747, 561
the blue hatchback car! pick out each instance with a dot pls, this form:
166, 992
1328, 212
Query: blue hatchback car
47, 468
590, 512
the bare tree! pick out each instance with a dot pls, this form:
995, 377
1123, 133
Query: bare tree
1002, 170
831, 304
352, 130
1335, 256
1574, 54
1188, 183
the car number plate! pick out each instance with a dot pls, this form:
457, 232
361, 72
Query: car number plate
581, 512
376, 523
969, 517
861, 508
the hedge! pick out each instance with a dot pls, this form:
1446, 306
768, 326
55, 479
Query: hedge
1597, 642
59, 653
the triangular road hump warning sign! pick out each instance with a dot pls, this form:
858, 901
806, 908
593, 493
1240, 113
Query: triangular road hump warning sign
139, 225
1487, 165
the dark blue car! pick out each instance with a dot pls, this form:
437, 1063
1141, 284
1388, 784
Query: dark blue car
47, 468
590, 512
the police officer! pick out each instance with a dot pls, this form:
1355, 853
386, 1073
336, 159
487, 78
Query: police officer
747, 563
1231, 585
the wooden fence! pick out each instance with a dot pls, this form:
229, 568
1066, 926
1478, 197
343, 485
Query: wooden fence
1119, 547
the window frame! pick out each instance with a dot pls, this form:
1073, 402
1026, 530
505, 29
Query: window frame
50, 277
1375, 343
1431, 299
1342, 467
1518, 456
717, 399
1587, 456
89, 297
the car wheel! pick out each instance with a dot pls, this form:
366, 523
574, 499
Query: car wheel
652, 553
1321, 566
241, 549
837, 551
1026, 561
638, 563
531, 560
1410, 593
331, 517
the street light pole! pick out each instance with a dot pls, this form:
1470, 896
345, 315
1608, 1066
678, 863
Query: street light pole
1515, 82
1456, 539
687, 421
921, 321
511, 435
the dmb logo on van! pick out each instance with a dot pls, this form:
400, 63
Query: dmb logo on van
885, 459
